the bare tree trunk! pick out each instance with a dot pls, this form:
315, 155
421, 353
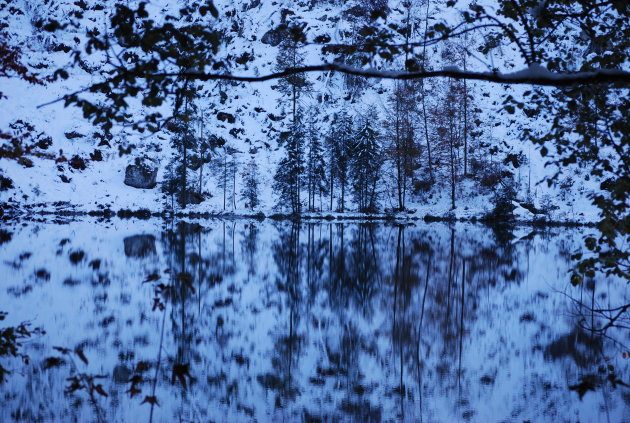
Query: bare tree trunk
233, 183
224, 176
201, 154
452, 157
331, 188
465, 122
424, 106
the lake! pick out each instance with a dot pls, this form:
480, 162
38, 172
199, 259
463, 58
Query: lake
246, 320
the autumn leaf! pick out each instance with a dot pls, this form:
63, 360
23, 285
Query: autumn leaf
152, 277
79, 353
99, 388
181, 372
62, 350
150, 400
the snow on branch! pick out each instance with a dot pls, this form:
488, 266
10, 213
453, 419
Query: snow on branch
533, 75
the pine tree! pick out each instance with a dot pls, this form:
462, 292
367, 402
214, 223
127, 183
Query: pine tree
315, 166
249, 191
185, 143
294, 86
288, 177
338, 145
365, 162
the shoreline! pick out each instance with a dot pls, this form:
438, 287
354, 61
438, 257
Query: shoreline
16, 214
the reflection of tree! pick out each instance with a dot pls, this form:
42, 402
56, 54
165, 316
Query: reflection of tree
405, 279
353, 268
248, 246
316, 252
287, 348
365, 322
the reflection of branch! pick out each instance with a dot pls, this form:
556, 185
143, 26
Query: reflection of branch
88, 381
612, 315
153, 399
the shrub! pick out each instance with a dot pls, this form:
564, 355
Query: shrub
6, 183
503, 209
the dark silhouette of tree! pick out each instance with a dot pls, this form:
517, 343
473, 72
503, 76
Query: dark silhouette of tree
249, 191
289, 174
316, 179
339, 147
365, 163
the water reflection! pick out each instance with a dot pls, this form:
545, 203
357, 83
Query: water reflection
269, 321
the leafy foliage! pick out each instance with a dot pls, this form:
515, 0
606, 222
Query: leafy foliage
144, 58
11, 341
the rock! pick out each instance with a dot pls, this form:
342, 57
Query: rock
194, 198
275, 36
142, 174
139, 245
76, 162
73, 134
25, 161
97, 156
223, 116
121, 373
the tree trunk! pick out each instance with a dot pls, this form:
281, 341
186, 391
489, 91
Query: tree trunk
465, 122
224, 176
424, 107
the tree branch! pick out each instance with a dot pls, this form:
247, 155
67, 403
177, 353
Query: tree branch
534, 75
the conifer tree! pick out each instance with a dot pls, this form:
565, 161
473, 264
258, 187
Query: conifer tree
184, 142
365, 164
315, 166
294, 86
288, 177
339, 144
249, 191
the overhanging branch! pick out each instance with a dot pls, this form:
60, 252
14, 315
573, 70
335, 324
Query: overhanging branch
534, 75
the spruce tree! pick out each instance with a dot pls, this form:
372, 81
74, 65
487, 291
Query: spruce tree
365, 164
294, 86
315, 166
184, 143
339, 145
249, 191
288, 177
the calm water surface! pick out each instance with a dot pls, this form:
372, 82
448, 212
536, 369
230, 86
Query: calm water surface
230, 321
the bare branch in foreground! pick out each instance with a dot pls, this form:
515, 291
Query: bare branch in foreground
533, 75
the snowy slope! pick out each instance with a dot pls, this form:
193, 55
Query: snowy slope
245, 22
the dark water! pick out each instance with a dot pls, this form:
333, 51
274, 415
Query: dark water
233, 321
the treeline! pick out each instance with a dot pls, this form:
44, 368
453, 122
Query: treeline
358, 156
351, 144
